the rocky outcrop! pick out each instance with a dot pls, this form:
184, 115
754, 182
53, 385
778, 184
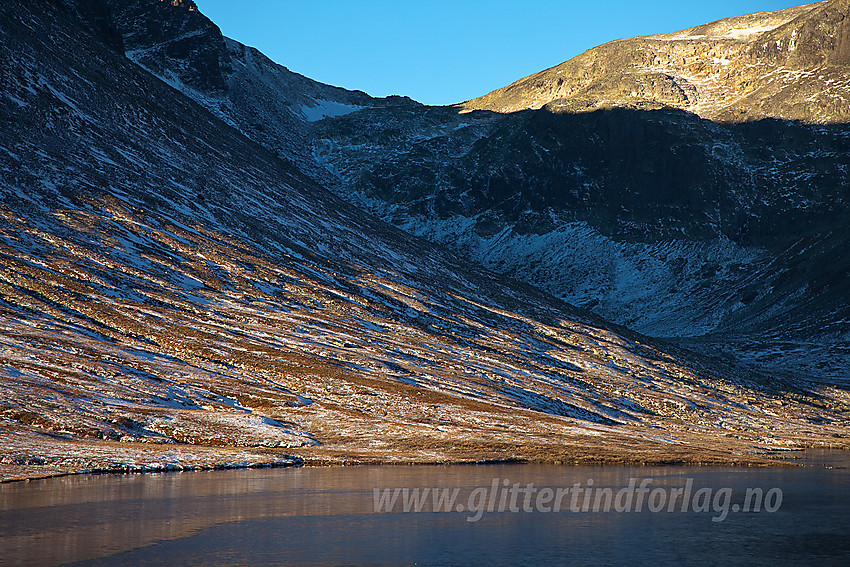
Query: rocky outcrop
174, 40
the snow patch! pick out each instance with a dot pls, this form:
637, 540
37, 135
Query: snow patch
327, 108
739, 33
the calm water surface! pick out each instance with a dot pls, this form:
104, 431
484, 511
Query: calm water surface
326, 516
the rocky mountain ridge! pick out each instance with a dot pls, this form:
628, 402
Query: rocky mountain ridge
790, 65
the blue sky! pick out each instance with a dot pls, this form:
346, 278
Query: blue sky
441, 52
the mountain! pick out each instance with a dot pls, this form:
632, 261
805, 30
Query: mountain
718, 224
728, 235
790, 64
240, 85
722, 235
173, 294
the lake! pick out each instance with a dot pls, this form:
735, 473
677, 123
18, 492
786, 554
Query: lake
500, 514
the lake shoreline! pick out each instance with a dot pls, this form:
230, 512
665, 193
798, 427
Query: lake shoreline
775, 458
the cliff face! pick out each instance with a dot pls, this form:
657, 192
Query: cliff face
790, 64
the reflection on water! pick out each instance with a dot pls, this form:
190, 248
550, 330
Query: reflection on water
325, 516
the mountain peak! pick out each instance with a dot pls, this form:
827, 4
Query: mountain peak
789, 64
